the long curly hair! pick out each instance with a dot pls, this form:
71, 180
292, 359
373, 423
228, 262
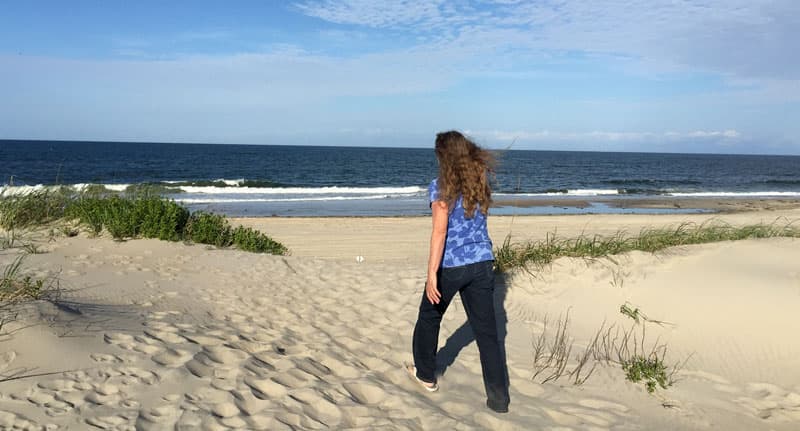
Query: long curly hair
464, 170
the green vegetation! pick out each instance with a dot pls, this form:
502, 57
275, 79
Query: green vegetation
214, 229
138, 213
249, 239
148, 217
161, 218
32, 209
638, 316
97, 190
15, 287
651, 370
206, 228
538, 254
555, 354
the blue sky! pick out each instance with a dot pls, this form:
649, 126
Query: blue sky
718, 76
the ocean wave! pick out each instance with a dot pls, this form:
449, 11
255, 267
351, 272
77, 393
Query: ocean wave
332, 190
213, 200
230, 190
222, 183
564, 192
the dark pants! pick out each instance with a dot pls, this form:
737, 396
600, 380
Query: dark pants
475, 284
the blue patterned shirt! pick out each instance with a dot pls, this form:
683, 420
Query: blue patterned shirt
467, 239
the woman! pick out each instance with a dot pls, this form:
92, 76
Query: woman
460, 261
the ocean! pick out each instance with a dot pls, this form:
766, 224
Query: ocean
265, 180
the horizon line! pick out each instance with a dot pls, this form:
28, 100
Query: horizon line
97, 141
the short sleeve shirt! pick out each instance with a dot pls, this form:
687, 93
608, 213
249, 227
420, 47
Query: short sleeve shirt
467, 239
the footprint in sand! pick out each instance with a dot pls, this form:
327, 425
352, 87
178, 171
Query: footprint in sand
206, 362
105, 395
106, 359
165, 336
14, 421
312, 367
203, 340
141, 376
146, 345
158, 419
248, 403
172, 358
259, 367
224, 355
365, 393
57, 385
768, 401
265, 388
318, 407
109, 422
189, 420
292, 379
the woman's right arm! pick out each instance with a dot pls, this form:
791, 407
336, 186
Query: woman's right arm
438, 235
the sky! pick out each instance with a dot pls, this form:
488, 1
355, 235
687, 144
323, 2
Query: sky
712, 76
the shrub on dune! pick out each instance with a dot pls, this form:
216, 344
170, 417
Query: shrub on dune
131, 215
207, 228
249, 239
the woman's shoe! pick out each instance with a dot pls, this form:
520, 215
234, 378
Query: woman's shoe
412, 372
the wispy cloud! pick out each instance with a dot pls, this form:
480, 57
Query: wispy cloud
376, 14
604, 136
690, 141
736, 37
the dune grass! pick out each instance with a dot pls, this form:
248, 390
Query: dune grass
36, 208
140, 213
15, 287
538, 254
18, 287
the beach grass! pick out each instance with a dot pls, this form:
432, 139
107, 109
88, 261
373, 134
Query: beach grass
538, 254
15, 287
140, 213
36, 208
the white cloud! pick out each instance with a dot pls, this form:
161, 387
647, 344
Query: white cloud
375, 13
731, 37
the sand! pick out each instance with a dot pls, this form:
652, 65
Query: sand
153, 335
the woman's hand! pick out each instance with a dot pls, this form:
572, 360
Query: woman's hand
432, 291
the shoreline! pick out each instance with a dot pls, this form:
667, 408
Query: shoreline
715, 204
504, 206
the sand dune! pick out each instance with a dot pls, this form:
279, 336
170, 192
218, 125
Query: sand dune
154, 335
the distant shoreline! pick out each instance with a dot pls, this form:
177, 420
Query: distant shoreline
709, 204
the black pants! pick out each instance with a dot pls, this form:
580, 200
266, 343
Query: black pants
475, 284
